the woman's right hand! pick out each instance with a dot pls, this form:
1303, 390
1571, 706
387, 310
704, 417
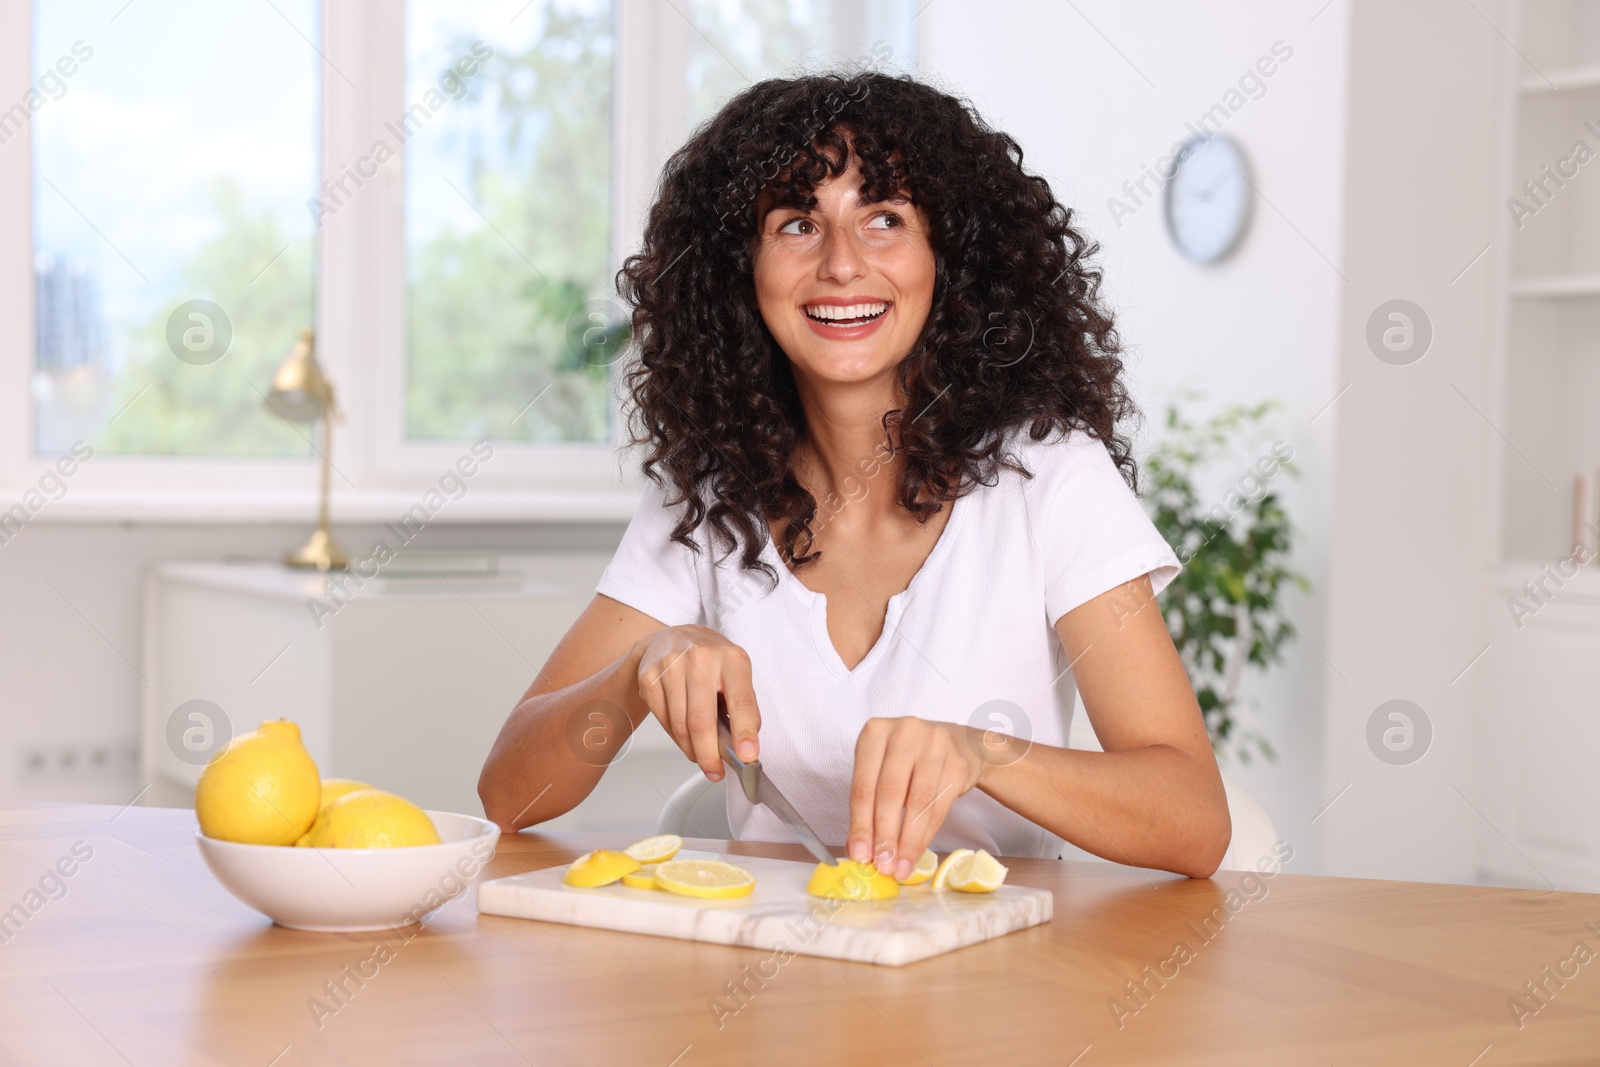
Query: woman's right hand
682, 671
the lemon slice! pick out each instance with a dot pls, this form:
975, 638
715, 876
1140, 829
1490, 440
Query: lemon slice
942, 874
977, 873
710, 879
643, 878
926, 865
600, 867
656, 849
849, 880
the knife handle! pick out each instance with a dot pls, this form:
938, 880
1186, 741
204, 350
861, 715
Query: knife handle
748, 774
725, 737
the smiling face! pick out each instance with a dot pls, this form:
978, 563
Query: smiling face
845, 287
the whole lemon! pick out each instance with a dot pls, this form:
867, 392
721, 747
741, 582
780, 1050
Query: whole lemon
262, 789
332, 789
371, 818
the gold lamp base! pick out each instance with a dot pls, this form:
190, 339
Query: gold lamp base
302, 393
321, 552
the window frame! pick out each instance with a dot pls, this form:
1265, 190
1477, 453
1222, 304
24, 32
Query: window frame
360, 308
394, 457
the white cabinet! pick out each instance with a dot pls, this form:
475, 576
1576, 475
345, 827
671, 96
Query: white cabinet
1539, 697
404, 685
1548, 214
1540, 732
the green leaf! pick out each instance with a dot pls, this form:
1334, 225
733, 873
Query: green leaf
1235, 567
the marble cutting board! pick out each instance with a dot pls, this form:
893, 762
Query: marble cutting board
917, 924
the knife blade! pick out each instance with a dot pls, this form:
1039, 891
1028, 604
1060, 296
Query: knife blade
758, 789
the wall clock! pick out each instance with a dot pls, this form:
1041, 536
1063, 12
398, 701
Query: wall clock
1208, 199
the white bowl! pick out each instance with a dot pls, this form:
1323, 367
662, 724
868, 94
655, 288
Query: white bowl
335, 890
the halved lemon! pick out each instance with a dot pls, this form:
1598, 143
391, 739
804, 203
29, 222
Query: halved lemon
942, 874
849, 880
977, 873
710, 879
600, 867
657, 849
643, 878
926, 865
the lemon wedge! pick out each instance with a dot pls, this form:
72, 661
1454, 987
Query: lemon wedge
600, 867
849, 880
926, 865
657, 849
709, 879
976, 873
643, 878
942, 874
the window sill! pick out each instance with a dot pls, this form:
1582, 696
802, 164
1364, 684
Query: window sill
187, 507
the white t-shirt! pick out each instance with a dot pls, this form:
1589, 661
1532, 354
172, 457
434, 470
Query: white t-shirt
974, 627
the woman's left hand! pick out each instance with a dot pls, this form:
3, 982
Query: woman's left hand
908, 773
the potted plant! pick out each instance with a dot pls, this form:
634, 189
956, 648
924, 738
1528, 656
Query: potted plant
1221, 609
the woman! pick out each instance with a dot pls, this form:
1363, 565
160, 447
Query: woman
889, 506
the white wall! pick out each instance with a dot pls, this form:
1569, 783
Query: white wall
1093, 97
1412, 525
70, 655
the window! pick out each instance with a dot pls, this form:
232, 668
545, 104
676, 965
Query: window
172, 253
738, 42
508, 201
443, 188
743, 41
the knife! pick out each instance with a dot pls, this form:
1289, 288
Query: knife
758, 789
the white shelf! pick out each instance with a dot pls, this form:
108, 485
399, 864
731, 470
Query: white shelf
1557, 286
1566, 79
1582, 588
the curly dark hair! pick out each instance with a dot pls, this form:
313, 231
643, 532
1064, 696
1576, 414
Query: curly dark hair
1016, 333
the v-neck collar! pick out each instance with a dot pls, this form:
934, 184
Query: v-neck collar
817, 603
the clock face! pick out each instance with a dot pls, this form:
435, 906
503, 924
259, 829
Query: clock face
1208, 199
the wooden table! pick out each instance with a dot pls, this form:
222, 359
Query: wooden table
147, 960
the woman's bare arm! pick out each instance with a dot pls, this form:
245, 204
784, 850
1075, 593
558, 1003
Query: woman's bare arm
614, 668
588, 692
1154, 797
